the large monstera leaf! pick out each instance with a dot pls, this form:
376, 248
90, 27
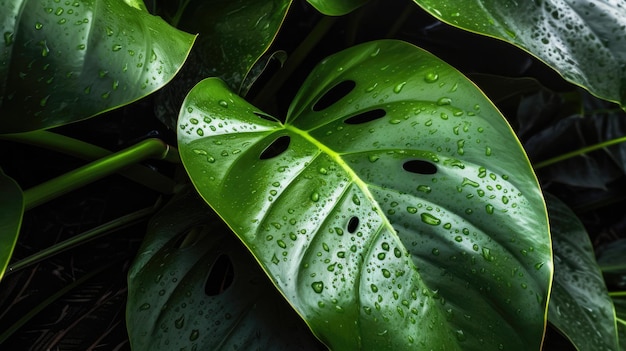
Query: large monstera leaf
580, 306
394, 208
583, 40
63, 62
194, 286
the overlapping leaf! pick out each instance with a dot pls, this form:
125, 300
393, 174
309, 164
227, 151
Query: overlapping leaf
193, 286
336, 7
11, 212
63, 62
583, 40
395, 209
580, 305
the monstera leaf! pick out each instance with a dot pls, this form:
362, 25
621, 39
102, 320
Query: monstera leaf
583, 40
336, 7
394, 208
63, 62
580, 306
194, 286
11, 212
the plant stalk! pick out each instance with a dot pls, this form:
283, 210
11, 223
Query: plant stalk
86, 151
579, 152
149, 148
99, 231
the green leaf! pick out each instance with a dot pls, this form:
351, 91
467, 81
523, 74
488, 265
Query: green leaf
580, 306
233, 35
582, 40
336, 7
194, 286
61, 63
395, 208
11, 212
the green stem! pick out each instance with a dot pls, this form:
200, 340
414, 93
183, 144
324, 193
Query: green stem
617, 293
45, 303
293, 62
579, 152
86, 151
150, 148
82, 238
621, 321
179, 13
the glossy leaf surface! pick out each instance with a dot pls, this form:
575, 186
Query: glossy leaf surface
336, 7
11, 212
233, 35
580, 306
194, 286
583, 40
395, 209
63, 62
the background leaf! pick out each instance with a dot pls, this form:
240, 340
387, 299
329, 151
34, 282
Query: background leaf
395, 208
11, 212
193, 285
580, 306
66, 62
583, 40
336, 7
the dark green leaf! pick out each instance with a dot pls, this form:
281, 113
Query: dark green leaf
583, 40
63, 62
395, 208
11, 212
336, 7
194, 286
580, 306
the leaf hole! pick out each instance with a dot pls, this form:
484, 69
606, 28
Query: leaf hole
276, 148
353, 224
220, 277
366, 116
419, 167
333, 95
265, 117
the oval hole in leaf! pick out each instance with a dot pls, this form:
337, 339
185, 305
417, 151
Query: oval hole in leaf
353, 223
366, 116
335, 94
265, 117
419, 167
276, 148
220, 277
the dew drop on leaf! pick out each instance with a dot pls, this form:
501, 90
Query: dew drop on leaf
318, 287
398, 88
194, 335
430, 219
431, 77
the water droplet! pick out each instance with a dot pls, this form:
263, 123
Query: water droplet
179, 322
144, 307
44, 48
371, 88
223, 103
386, 273
38, 25
200, 132
469, 182
431, 77
373, 158
315, 196
430, 219
8, 38
381, 256
281, 244
444, 101
44, 101
323, 170
486, 252
435, 252
374, 288
489, 208
194, 335
423, 188
398, 88
411, 210
59, 11
538, 265
116, 47
356, 200
318, 287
